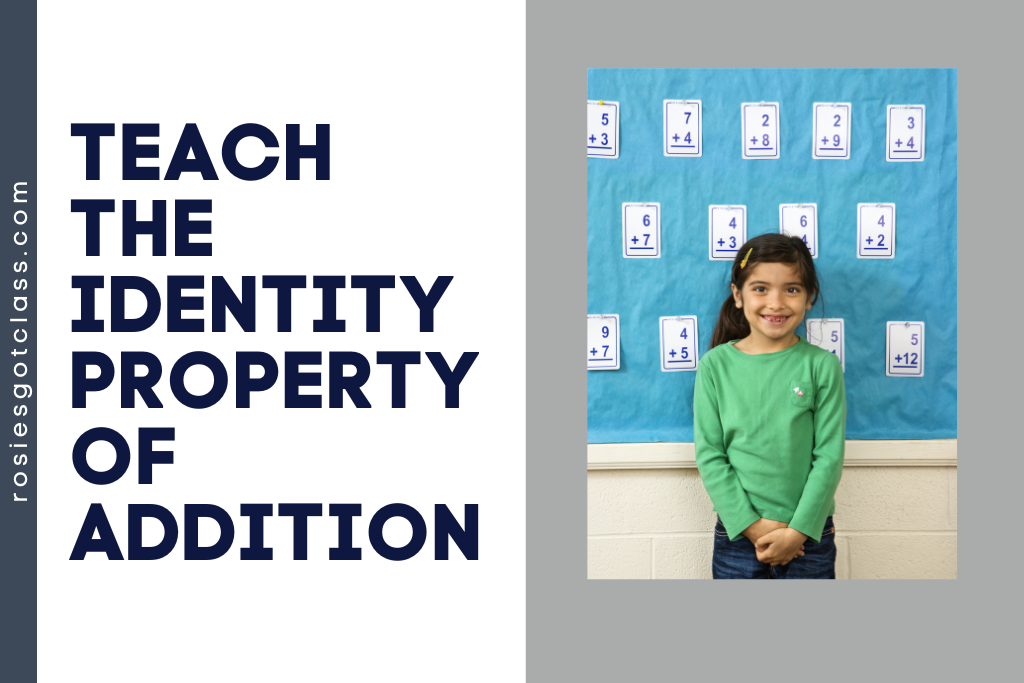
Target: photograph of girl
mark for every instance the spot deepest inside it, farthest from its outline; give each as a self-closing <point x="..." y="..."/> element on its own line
<point x="771" y="324"/>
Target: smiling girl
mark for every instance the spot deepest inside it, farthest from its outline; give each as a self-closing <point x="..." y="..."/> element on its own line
<point x="770" y="421"/>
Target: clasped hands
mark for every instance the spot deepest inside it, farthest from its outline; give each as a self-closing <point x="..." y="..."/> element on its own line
<point x="775" y="542"/>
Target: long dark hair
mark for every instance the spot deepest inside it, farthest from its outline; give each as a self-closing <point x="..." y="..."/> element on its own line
<point x="768" y="248"/>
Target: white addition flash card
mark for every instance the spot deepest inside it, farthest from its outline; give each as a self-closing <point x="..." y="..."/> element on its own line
<point x="678" y="343"/>
<point x="602" y="342"/>
<point x="760" y="130"/>
<point x="800" y="220"/>
<point x="727" y="230"/>
<point x="876" y="230"/>
<point x="831" y="131"/>
<point x="683" y="128"/>
<point x="603" y="129"/>
<point x="827" y="333"/>
<point x="904" y="349"/>
<point x="641" y="230"/>
<point x="904" y="132"/>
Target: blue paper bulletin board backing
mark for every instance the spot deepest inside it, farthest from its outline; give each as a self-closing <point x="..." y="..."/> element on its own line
<point x="639" y="402"/>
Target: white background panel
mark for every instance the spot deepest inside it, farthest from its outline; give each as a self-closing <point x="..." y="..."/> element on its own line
<point x="413" y="187"/>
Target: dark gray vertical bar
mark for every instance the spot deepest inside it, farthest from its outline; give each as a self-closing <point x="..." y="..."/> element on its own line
<point x="18" y="485"/>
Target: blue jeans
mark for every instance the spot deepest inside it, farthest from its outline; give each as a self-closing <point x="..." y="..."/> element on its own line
<point x="738" y="559"/>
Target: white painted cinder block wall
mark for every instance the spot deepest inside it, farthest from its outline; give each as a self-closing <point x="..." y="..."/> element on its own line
<point x="892" y="522"/>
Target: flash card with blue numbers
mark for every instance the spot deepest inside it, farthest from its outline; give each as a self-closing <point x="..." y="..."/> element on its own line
<point x="727" y="230"/>
<point x="876" y="230"/>
<point x="603" y="129"/>
<point x="904" y="132"/>
<point x="827" y="333"/>
<point x="683" y="128"/>
<point x="760" y="130"/>
<point x="602" y="342"/>
<point x="678" y="342"/>
<point x="641" y="230"/>
<point x="800" y="220"/>
<point x="904" y="349"/>
<point x="831" y="131"/>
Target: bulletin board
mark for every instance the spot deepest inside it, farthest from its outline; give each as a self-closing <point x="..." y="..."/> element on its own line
<point x="638" y="401"/>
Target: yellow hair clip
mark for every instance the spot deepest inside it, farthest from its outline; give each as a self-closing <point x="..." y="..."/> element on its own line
<point x="744" y="262"/>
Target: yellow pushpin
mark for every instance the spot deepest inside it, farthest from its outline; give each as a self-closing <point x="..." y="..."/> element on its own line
<point x="744" y="262"/>
<point x="601" y="102"/>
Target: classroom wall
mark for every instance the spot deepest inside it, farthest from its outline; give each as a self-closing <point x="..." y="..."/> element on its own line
<point x="892" y="522"/>
<point x="639" y="403"/>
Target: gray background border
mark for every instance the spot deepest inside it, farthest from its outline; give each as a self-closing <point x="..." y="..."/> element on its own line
<point x="879" y="630"/>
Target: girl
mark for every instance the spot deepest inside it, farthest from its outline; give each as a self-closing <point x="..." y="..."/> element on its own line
<point x="770" y="421"/>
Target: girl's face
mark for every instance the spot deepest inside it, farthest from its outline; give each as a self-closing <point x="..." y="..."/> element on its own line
<point x="774" y="301"/>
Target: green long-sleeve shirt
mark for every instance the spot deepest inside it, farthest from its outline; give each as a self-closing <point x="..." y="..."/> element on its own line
<point x="762" y="449"/>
